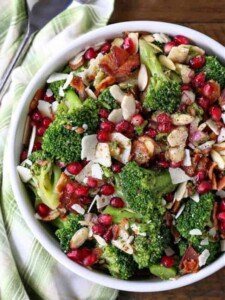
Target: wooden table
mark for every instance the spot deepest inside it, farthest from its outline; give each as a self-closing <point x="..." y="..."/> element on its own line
<point x="207" y="16"/>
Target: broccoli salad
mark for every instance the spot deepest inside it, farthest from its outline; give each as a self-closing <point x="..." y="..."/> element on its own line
<point x="124" y="156"/>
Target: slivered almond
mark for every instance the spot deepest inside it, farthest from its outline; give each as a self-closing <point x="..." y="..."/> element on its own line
<point x="117" y="93"/>
<point x="178" y="54"/>
<point x="202" y="126"/>
<point x="161" y="37"/>
<point x="211" y="169"/>
<point x="219" y="147"/>
<point x="167" y="62"/>
<point x="142" y="78"/>
<point x="90" y="93"/>
<point x="222" y="152"/>
<point x="52" y="216"/>
<point x="77" y="61"/>
<point x="177" y="137"/>
<point x="179" y="194"/>
<point x="176" y="154"/>
<point x="156" y="48"/>
<point x="181" y="119"/>
<point x="148" y="38"/>
<point x="79" y="238"/>
<point x="216" y="157"/>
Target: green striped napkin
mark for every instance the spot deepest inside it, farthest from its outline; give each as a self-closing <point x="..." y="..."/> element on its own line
<point x="27" y="271"/>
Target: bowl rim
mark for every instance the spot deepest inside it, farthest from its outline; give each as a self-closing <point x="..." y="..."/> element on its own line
<point x="33" y="224"/>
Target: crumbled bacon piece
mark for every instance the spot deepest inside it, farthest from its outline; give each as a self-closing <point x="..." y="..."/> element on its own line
<point x="211" y="169"/>
<point x="79" y="86"/>
<point x="189" y="262"/>
<point x="106" y="82"/>
<point x="175" y="234"/>
<point x="169" y="219"/>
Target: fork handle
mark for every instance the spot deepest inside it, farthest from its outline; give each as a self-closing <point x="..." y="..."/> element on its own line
<point x="5" y="80"/>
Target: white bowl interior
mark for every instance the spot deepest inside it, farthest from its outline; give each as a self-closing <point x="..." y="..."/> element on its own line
<point x="16" y="133"/>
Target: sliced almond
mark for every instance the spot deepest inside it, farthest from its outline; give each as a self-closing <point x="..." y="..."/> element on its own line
<point x="79" y="238"/>
<point x="180" y="191"/>
<point x="161" y="38"/>
<point x="216" y="157"/>
<point x="156" y="48"/>
<point x="52" y="216"/>
<point x="213" y="126"/>
<point x="24" y="173"/>
<point x="134" y="37"/>
<point x="221" y="137"/>
<point x="185" y="72"/>
<point x="117" y="42"/>
<point x="128" y="106"/>
<point x="116" y="116"/>
<point x="142" y="78"/>
<point x="219" y="147"/>
<point x="117" y="93"/>
<point x="167" y="62"/>
<point x="188" y="97"/>
<point x="102" y="155"/>
<point x="149" y="144"/>
<point x="77" y="61"/>
<point x="197" y="49"/>
<point x="148" y="38"/>
<point x="178" y="54"/>
<point x="177" y="137"/>
<point x="90" y="93"/>
<point x="181" y="119"/>
<point x="122" y="245"/>
<point x="100" y="240"/>
<point x="202" y="126"/>
<point x="176" y="154"/>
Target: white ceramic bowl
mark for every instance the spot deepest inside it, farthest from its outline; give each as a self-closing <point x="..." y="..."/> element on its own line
<point x="24" y="203"/>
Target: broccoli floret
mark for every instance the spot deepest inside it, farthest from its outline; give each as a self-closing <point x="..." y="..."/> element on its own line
<point x="67" y="230"/>
<point x="106" y="100"/>
<point x="213" y="247"/>
<point x="61" y="141"/>
<point x="162" y="93"/>
<point x="119" y="264"/>
<point x="214" y="70"/>
<point x="39" y="155"/>
<point x="143" y="189"/>
<point x="195" y="216"/>
<point x="43" y="182"/>
<point x="163" y="272"/>
<point x="55" y="86"/>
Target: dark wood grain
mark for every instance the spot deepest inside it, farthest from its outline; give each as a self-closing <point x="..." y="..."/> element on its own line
<point x="207" y="16"/>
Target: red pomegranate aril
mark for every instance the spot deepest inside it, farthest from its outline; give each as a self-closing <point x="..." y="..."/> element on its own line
<point x="122" y="126"/>
<point x="105" y="48"/>
<point x="167" y="261"/>
<point x="197" y="62"/>
<point x="82" y="191"/>
<point x="221" y="216"/>
<point x="103" y="136"/>
<point x="222" y="205"/>
<point x="43" y="210"/>
<point x="151" y="132"/>
<point x="201" y="175"/>
<point x="177" y="164"/>
<point x="107" y="126"/>
<point x="70" y="188"/>
<point x="168" y="46"/>
<point x="222" y="227"/>
<point x="49" y="97"/>
<point x="108" y="236"/>
<point x="85" y="200"/>
<point x="128" y="45"/>
<point x="163" y="118"/>
<point x="46" y="122"/>
<point x="198" y="80"/>
<point x="90" y="53"/>
<point x="137" y="120"/>
<point x="169" y="197"/>
<point x="185" y="87"/>
<point x="23" y="155"/>
<point x="164" y="128"/>
<point x="215" y="112"/>
<point x="204" y="187"/>
<point x="41" y="131"/>
<point x="181" y="39"/>
<point x="116" y="168"/>
<point x="75" y="255"/>
<point x="92" y="182"/>
<point x="90" y="260"/>
<point x="203" y="102"/>
<point x="211" y="90"/>
<point x="107" y="189"/>
<point x="117" y="202"/>
<point x="130" y="130"/>
<point x="103" y="113"/>
<point x="36" y="116"/>
<point x="105" y="219"/>
<point x="98" y="229"/>
<point x="74" y="168"/>
<point x="163" y="164"/>
<point x="37" y="146"/>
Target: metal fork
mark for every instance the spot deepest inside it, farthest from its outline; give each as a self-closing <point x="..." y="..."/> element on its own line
<point x="39" y="12"/>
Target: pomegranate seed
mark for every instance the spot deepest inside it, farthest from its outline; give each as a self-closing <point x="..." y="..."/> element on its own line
<point x="105" y="219"/>
<point x="211" y="90"/>
<point x="177" y="164"/>
<point x="163" y="164"/>
<point x="163" y="118"/>
<point x="137" y="120"/>
<point x="74" y="168"/>
<point x="82" y="191"/>
<point x="197" y="62"/>
<point x="169" y="197"/>
<point x="215" y="112"/>
<point x="98" y="229"/>
<point x="168" y="46"/>
<point x="203" y="102"/>
<point x="46" y="122"/>
<point x="79" y="255"/>
<point x="107" y="189"/>
<point x="107" y="126"/>
<point x="37" y="146"/>
<point x="122" y="126"/>
<point x="128" y="45"/>
<point x="167" y="261"/>
<point x="49" y="97"/>
<point x="181" y="39"/>
<point x="130" y="131"/>
<point x="85" y="200"/>
<point x="103" y="113"/>
<point x="200" y="176"/>
<point x="90" y="53"/>
<point x="90" y="260"/>
<point x="164" y="128"/>
<point x="41" y="131"/>
<point x="117" y="202"/>
<point x="36" y="116"/>
<point x="105" y="48"/>
<point x="108" y="236"/>
<point x="70" y="188"/>
<point x="185" y="87"/>
<point x="116" y="168"/>
<point x="103" y="136"/>
<point x="221" y="216"/>
<point x="23" y="155"/>
<point x="222" y="227"/>
<point x="43" y="210"/>
<point x="222" y="205"/>
<point x="92" y="182"/>
<point x="198" y="80"/>
<point x="151" y="132"/>
<point x="204" y="187"/>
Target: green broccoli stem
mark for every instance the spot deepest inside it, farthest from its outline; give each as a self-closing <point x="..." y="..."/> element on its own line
<point x="119" y="214"/>
<point x="73" y="99"/>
